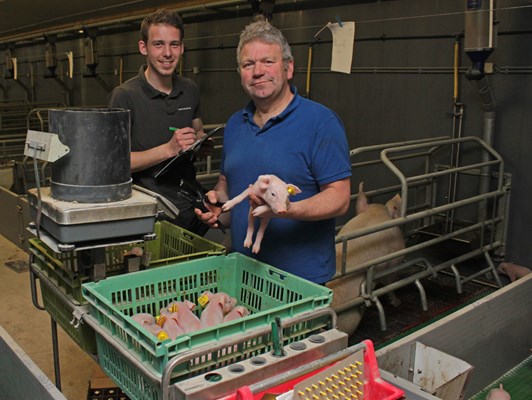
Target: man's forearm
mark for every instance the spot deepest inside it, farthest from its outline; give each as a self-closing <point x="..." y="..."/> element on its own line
<point x="332" y="201"/>
<point x="141" y="160"/>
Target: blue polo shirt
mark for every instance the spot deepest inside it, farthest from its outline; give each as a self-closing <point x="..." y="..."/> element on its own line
<point x="305" y="145"/>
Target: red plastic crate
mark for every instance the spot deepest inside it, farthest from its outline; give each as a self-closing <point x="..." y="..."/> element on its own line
<point x="375" y="388"/>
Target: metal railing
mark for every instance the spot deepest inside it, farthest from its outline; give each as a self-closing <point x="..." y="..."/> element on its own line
<point x="425" y="205"/>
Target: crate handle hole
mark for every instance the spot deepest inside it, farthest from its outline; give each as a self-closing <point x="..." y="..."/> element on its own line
<point x="236" y="369"/>
<point x="213" y="377"/>
<point x="280" y="276"/>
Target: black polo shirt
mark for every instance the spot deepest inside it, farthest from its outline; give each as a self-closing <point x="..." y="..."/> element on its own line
<point x="152" y="114"/>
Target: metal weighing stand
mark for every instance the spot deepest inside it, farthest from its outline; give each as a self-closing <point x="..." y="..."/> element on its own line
<point x="87" y="228"/>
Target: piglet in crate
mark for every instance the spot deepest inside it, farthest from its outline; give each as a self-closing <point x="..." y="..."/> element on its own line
<point x="273" y="192"/>
<point x="236" y="313"/>
<point x="217" y="306"/>
<point x="186" y="319"/>
<point x="169" y="321"/>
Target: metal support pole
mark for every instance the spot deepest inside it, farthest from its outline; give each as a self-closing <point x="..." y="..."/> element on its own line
<point x="55" y="349"/>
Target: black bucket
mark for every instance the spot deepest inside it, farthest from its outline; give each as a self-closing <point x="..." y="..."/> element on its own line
<point x="97" y="168"/>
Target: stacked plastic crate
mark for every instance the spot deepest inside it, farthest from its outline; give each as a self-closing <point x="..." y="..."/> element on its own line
<point x="61" y="275"/>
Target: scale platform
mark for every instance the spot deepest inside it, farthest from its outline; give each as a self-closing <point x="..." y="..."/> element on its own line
<point x="71" y="222"/>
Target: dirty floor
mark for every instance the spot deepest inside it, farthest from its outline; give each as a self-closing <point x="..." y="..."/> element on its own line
<point x="31" y="328"/>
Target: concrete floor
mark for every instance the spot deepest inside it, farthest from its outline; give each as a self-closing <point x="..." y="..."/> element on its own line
<point x="31" y="328"/>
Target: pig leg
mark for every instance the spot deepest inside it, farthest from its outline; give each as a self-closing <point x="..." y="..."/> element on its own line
<point x="260" y="234"/>
<point x="261" y="210"/>
<point x="345" y="289"/>
<point x="251" y="227"/>
<point x="235" y="200"/>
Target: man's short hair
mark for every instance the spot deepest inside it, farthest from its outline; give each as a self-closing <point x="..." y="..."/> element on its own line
<point x="162" y="17"/>
<point x="263" y="31"/>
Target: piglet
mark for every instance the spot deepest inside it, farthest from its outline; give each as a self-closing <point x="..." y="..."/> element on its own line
<point x="157" y="331"/>
<point x="498" y="394"/>
<point x="513" y="271"/>
<point x="274" y="192"/>
<point x="169" y="322"/>
<point x="143" y="319"/>
<point x="172" y="328"/>
<point x="186" y="319"/>
<point x="236" y="313"/>
<point x="218" y="306"/>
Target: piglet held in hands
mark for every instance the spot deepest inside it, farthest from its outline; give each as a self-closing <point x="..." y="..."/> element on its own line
<point x="274" y="192"/>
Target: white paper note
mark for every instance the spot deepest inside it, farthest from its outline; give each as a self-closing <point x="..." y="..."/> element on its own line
<point x="343" y="42"/>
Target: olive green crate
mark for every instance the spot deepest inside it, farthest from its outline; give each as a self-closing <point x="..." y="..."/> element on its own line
<point x="61" y="308"/>
<point x="172" y="245"/>
<point x="61" y="276"/>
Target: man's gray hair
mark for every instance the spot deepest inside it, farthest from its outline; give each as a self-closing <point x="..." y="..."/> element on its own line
<point x="265" y="32"/>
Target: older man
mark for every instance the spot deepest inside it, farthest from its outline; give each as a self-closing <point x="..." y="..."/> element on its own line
<point x="300" y="141"/>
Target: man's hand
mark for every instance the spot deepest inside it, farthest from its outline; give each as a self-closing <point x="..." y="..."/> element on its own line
<point x="210" y="217"/>
<point x="182" y="139"/>
<point x="259" y="206"/>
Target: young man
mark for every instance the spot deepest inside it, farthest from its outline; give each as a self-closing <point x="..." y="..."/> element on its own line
<point x="165" y="114"/>
<point x="300" y="141"/>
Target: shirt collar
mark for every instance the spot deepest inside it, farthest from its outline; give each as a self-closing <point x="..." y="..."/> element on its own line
<point x="151" y="92"/>
<point x="248" y="112"/>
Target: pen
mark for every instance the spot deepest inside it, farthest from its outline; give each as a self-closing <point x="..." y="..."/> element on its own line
<point x="193" y="147"/>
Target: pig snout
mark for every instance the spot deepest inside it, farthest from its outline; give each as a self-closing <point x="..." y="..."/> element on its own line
<point x="280" y="207"/>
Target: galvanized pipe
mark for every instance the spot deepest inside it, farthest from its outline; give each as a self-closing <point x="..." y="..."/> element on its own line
<point x="420" y="275"/>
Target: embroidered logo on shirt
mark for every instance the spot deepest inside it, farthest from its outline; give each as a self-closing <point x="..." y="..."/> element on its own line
<point x="184" y="108"/>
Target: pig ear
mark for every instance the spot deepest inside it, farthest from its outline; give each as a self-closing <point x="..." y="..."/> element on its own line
<point x="362" y="200"/>
<point x="394" y="206"/>
<point x="190" y="305"/>
<point x="292" y="189"/>
<point x="264" y="181"/>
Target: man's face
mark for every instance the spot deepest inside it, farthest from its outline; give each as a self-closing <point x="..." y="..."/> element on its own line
<point x="163" y="49"/>
<point x="263" y="73"/>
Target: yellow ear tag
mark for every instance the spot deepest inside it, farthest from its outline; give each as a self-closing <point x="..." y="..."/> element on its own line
<point x="203" y="300"/>
<point x="162" y="335"/>
<point x="291" y="190"/>
<point x="161" y="320"/>
<point x="173" y="308"/>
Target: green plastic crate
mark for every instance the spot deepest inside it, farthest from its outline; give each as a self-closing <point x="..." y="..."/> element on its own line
<point x="62" y="271"/>
<point x="173" y="245"/>
<point x="60" y="308"/>
<point x="266" y="291"/>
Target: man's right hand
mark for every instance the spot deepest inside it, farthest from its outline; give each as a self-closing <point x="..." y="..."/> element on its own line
<point x="182" y="139"/>
<point x="210" y="217"/>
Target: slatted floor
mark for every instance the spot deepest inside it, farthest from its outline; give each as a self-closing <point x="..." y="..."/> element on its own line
<point x="517" y="381"/>
<point x="442" y="299"/>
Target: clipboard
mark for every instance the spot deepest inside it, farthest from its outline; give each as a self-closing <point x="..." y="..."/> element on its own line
<point x="192" y="147"/>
